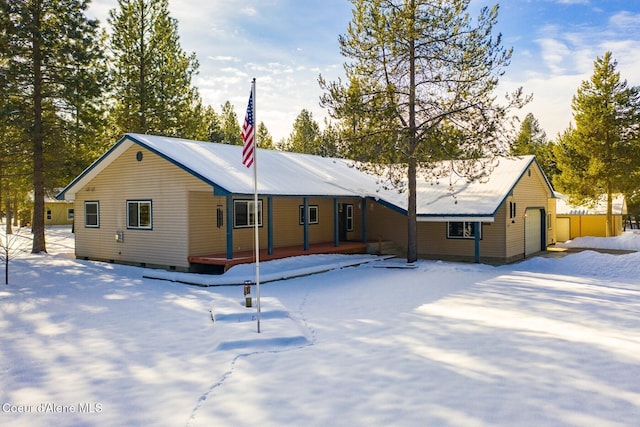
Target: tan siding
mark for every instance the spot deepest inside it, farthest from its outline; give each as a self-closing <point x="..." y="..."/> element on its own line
<point x="384" y="224"/>
<point x="205" y="237"/>
<point x="531" y="191"/>
<point x="153" y="179"/>
<point x="433" y="242"/>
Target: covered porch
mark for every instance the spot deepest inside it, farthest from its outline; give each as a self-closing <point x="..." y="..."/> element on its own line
<point x="219" y="263"/>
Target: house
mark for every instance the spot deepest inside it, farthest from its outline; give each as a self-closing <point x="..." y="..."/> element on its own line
<point x="184" y="205"/>
<point x="580" y="221"/>
<point x="56" y="212"/>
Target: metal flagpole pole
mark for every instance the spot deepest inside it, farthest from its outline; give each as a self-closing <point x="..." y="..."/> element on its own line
<point x="255" y="199"/>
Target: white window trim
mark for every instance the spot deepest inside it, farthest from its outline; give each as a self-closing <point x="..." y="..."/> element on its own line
<point x="309" y="209"/>
<point x="250" y="209"/>
<point x="464" y="226"/>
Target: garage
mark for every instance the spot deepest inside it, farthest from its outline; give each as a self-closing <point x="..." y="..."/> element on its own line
<point x="533" y="231"/>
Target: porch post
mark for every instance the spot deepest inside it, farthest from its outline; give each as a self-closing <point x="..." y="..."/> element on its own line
<point x="477" y="241"/>
<point x="336" y="223"/>
<point x="229" y="226"/>
<point x="270" y="225"/>
<point x="305" y="221"/>
<point x="364" y="220"/>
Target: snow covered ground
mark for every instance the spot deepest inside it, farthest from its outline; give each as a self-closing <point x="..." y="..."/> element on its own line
<point x="545" y="342"/>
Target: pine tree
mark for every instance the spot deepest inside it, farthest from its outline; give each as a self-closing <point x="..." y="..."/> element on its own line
<point x="51" y="49"/>
<point x="265" y="140"/>
<point x="532" y="139"/>
<point x="306" y="135"/>
<point x="151" y="73"/>
<point x="420" y="71"/>
<point x="599" y="156"/>
<point x="230" y="126"/>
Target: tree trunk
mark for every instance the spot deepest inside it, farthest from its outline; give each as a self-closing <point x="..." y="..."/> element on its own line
<point x="7" y="210"/>
<point x="412" y="224"/>
<point x="38" y="147"/>
<point x="609" y="213"/>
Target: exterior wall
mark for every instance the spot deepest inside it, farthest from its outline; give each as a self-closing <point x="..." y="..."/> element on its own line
<point x="57" y="213"/>
<point x="502" y="240"/>
<point x="434" y="243"/>
<point x="531" y="192"/>
<point x="205" y="236"/>
<point x="385" y="224"/>
<point x="592" y="225"/>
<point x="152" y="178"/>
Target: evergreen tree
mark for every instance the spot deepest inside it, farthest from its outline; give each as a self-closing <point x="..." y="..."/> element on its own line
<point x="599" y="157"/>
<point x="532" y="139"/>
<point x="213" y="124"/>
<point x="231" y="132"/>
<point x="306" y="135"/>
<point x="420" y="70"/>
<point x="50" y="51"/>
<point x="151" y="73"/>
<point x="265" y="140"/>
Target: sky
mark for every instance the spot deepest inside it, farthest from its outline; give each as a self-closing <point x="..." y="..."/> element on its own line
<point x="287" y="44"/>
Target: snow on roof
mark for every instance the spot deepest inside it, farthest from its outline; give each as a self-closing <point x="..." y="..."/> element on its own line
<point x="294" y="174"/>
<point x="563" y="207"/>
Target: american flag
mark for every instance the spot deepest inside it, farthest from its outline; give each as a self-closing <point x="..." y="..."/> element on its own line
<point x="248" y="135"/>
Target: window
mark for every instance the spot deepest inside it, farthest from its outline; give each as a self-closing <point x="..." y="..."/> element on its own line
<point x="244" y="213"/>
<point x="313" y="214"/>
<point x="462" y="230"/>
<point x="512" y="210"/>
<point x="139" y="214"/>
<point x="349" y="217"/>
<point x="92" y="214"/>
<point x="70" y="213"/>
<point x="49" y="214"/>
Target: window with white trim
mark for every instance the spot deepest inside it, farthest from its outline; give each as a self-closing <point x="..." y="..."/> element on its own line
<point x="462" y="230"/>
<point x="139" y="214"/>
<point x="92" y="214"/>
<point x="349" y="217"/>
<point x="313" y="214"/>
<point x="244" y="213"/>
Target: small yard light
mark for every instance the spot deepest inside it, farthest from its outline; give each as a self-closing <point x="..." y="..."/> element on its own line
<point x="247" y="293"/>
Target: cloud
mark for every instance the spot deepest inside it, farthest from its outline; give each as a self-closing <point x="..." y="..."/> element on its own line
<point x="625" y="20"/>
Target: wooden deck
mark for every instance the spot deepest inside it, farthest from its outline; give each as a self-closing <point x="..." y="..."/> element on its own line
<point x="244" y="257"/>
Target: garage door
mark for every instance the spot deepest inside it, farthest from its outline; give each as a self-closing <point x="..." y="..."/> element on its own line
<point x="532" y="232"/>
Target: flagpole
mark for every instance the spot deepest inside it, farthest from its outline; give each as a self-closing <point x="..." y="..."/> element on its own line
<point x="255" y="200"/>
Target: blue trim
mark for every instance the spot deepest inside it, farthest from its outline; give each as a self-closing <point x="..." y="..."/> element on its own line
<point x="510" y="192"/>
<point x="229" y="227"/>
<point x="364" y="220"/>
<point x="220" y="190"/>
<point x="305" y="203"/>
<point x="336" y="223"/>
<point x="270" y="225"/>
<point x="60" y="196"/>
<point x="476" y="241"/>
<point x="391" y="206"/>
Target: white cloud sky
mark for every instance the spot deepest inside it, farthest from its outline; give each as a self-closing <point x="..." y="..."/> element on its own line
<point x="286" y="44"/>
